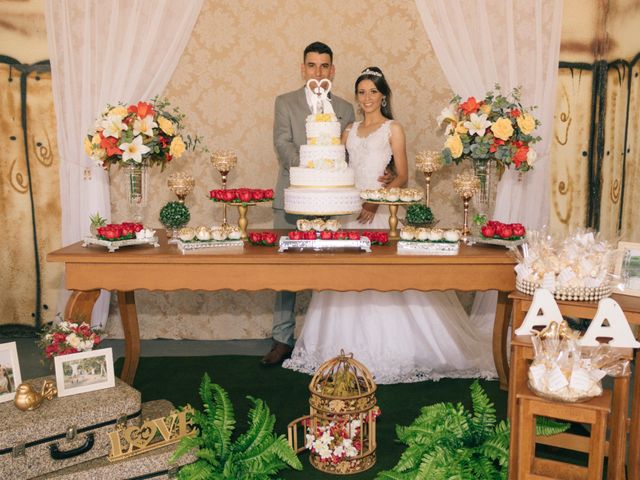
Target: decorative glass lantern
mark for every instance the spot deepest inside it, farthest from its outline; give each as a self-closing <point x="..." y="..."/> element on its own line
<point x="340" y="430"/>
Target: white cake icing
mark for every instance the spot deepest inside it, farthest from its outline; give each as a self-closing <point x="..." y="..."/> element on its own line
<point x="316" y="201"/>
<point x="311" y="177"/>
<point x="323" y="184"/>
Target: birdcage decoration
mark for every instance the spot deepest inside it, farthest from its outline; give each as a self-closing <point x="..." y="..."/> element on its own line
<point x="340" y="430"/>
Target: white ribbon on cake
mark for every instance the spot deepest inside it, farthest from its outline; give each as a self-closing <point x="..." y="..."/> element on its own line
<point x="321" y="89"/>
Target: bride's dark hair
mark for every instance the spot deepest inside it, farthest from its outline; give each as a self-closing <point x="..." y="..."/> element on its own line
<point x="377" y="77"/>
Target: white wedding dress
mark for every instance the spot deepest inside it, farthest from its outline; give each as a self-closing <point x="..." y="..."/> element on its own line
<point x="400" y="337"/>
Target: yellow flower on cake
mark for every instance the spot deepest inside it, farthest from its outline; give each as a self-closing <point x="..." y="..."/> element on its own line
<point x="526" y="123"/>
<point x="166" y="126"/>
<point x="177" y="147"/>
<point x="454" y="144"/>
<point x="313" y="141"/>
<point x="335" y="141"/>
<point x="502" y="129"/>
<point x="134" y="150"/>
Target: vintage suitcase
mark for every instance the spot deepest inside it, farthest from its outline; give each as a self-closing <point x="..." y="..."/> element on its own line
<point x="64" y="431"/>
<point x="154" y="464"/>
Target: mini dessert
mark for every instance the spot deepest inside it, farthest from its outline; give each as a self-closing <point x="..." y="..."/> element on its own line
<point x="332" y="225"/>
<point x="203" y="234"/>
<point x="186" y="234"/>
<point x="234" y="233"/>
<point x="452" y="235"/>
<point x="304" y="225"/>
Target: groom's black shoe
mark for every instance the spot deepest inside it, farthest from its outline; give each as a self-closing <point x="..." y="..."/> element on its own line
<point x="278" y="353"/>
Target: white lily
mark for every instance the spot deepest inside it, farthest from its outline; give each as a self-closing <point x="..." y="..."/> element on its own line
<point x="134" y="150"/>
<point x="144" y="125"/>
<point x="448" y="114"/>
<point x="113" y="126"/>
<point x="477" y="124"/>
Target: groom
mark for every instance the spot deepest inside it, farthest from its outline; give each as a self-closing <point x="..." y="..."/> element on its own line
<point x="291" y="111"/>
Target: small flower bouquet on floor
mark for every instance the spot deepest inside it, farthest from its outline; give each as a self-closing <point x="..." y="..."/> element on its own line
<point x="62" y="338"/>
<point x="337" y="440"/>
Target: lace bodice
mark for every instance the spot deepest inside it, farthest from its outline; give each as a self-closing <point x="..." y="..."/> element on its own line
<point x="369" y="155"/>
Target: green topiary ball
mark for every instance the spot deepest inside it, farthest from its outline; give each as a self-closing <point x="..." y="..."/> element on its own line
<point x="174" y="215"/>
<point x="419" y="214"/>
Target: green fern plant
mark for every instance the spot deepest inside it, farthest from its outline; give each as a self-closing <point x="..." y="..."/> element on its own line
<point x="447" y="441"/>
<point x="255" y="455"/>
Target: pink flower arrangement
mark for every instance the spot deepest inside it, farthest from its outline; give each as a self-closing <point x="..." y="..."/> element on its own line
<point x="64" y="337"/>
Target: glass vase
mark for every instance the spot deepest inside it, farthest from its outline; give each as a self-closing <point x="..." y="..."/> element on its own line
<point x="137" y="176"/>
<point x="483" y="169"/>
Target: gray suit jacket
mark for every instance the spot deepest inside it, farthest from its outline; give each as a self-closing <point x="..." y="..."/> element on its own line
<point x="291" y="111"/>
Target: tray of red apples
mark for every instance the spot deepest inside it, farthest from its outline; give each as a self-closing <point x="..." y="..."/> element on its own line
<point x="505" y="234"/>
<point x="324" y="241"/>
<point x="246" y="196"/>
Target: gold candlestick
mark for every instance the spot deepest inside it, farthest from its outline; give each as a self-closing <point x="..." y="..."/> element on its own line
<point x="181" y="184"/>
<point x="465" y="185"/>
<point x="428" y="162"/>
<point x="223" y="161"/>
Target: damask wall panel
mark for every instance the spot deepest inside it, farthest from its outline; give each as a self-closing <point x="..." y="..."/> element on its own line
<point x="630" y="230"/>
<point x="241" y="55"/>
<point x="569" y="151"/>
<point x="613" y="150"/>
<point x="45" y="179"/>
<point x="17" y="253"/>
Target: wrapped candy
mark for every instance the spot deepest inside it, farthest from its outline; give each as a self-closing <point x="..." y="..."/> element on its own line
<point x="575" y="268"/>
<point x="562" y="370"/>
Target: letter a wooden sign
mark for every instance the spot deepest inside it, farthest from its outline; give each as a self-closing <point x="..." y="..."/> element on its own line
<point x="543" y="311"/>
<point x="617" y="327"/>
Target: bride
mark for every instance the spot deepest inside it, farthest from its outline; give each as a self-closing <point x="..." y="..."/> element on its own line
<point x="401" y="337"/>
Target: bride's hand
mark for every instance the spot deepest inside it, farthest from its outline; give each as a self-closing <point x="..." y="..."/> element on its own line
<point x="367" y="213"/>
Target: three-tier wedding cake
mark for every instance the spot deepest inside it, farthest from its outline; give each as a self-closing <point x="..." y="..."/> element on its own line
<point x="323" y="184"/>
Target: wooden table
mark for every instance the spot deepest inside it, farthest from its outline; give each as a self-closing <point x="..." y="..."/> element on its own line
<point x="88" y="269"/>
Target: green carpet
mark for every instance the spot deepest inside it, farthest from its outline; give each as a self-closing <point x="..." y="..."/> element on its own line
<point x="177" y="379"/>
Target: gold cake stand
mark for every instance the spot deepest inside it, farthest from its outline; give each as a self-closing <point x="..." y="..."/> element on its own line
<point x="243" y="208"/>
<point x="393" y="215"/>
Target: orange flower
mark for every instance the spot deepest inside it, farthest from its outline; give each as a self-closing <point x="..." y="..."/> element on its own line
<point x="470" y="106"/>
<point x="142" y="109"/>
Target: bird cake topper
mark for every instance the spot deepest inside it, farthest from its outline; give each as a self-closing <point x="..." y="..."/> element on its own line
<point x="321" y="89"/>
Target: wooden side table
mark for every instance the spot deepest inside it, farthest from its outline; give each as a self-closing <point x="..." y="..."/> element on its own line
<point x="620" y="396"/>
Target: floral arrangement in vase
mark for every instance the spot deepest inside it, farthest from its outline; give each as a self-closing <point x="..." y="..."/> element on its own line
<point x="147" y="133"/>
<point x="496" y="128"/>
<point x="63" y="338"/>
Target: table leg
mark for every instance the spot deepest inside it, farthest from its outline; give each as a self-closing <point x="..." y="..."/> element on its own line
<point x="500" y="329"/>
<point x="80" y="305"/>
<point x="618" y="429"/>
<point x="634" y="434"/>
<point x="129" y="317"/>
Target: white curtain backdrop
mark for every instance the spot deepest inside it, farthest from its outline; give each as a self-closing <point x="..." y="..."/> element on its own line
<point x="513" y="43"/>
<point x="104" y="52"/>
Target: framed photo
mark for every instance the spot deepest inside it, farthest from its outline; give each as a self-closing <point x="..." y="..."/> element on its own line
<point x="628" y="268"/>
<point x="84" y="372"/>
<point x="10" y="377"/>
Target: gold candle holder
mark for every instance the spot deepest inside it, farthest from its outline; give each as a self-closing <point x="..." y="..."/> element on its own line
<point x="223" y="161"/>
<point x="181" y="184"/>
<point x="428" y="162"/>
<point x="465" y="185"/>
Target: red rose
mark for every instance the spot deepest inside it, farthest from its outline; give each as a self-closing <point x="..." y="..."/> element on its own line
<point x="470" y="106"/>
<point x="257" y="195"/>
<point x="50" y="350"/>
<point x="96" y="339"/>
<point x="268" y="194"/>
<point x="354" y="235"/>
<point x="255" y="237"/>
<point x="137" y="227"/>
<point x="340" y="235"/>
<point x="518" y="230"/>
<point x="488" y="231"/>
<point x="515" y="113"/>
<point x="244" y="195"/>
<point x="310" y="235"/>
<point x="228" y="195"/>
<point x="326" y="235"/>
<point x="295" y="235"/>
<point x="506" y="232"/>
<point x="269" y="238"/>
